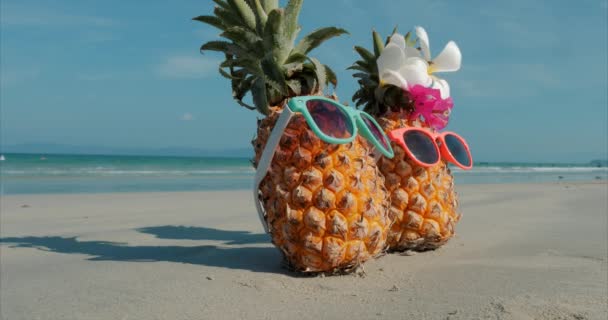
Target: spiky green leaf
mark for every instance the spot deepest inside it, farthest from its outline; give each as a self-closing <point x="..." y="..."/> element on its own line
<point x="251" y="66"/>
<point x="245" y="38"/>
<point x="244" y="11"/>
<point x="331" y="76"/>
<point x="258" y="92"/>
<point x="260" y="15"/>
<point x="225" y="74"/>
<point x="240" y="88"/>
<point x="274" y="36"/>
<point x="408" y="40"/>
<point x="211" y="20"/>
<point x="292" y="69"/>
<point x="274" y="74"/>
<point x="361" y="75"/>
<point x="358" y="68"/>
<point x="270" y="5"/>
<point x="295" y="87"/>
<point x="223" y="46"/>
<point x="320" y="73"/>
<point x="296" y="57"/>
<point x="316" y="38"/>
<point x="292" y="11"/>
<point x="378" y="44"/>
<point x="369" y="58"/>
<point x="229" y="18"/>
<point x="222" y="4"/>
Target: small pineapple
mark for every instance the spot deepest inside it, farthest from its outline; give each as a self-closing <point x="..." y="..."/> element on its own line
<point x="424" y="205"/>
<point x="326" y="205"/>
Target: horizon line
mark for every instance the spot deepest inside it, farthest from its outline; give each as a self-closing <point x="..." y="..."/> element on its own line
<point x="590" y="162"/>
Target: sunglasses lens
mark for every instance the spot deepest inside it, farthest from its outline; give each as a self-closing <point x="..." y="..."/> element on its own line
<point x="458" y="149"/>
<point x="330" y="119"/>
<point x="421" y="146"/>
<point x="375" y="130"/>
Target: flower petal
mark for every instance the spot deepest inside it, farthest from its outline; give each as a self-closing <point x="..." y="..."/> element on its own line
<point x="448" y="60"/>
<point x="394" y="78"/>
<point x="442" y="85"/>
<point x="423" y="39"/>
<point x="411" y="52"/>
<point x="399" y="40"/>
<point x="391" y="58"/>
<point x="415" y="72"/>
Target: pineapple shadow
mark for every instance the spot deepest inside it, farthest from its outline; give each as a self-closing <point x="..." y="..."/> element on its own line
<point x="254" y="258"/>
<point x="230" y="237"/>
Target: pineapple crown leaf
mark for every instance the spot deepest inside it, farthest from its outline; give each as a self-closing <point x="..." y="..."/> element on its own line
<point x="226" y="74"/>
<point x="321" y="74"/>
<point x="293" y="68"/>
<point x="227" y="17"/>
<point x="274" y="36"/>
<point x="408" y="39"/>
<point x="274" y="75"/>
<point x="358" y="68"/>
<point x="317" y="37"/>
<point x="261" y="58"/>
<point x="270" y="5"/>
<point x="292" y="11"/>
<point x="373" y="98"/>
<point x="378" y="44"/>
<point x="363" y="66"/>
<point x="224" y="47"/>
<point x="222" y="4"/>
<point x="296" y="57"/>
<point x="393" y="32"/>
<point x="261" y="16"/>
<point x="295" y="86"/>
<point x="331" y="76"/>
<point x="368" y="57"/>
<point x="240" y="88"/>
<point x="245" y="38"/>
<point x="210" y="20"/>
<point x="258" y="92"/>
<point x="245" y="12"/>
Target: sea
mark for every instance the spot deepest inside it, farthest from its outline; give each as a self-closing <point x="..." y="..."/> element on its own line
<point x="54" y="173"/>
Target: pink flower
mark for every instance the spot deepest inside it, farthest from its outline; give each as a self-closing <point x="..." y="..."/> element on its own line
<point x="430" y="107"/>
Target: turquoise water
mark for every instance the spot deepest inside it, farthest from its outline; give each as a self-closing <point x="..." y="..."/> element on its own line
<point x="31" y="173"/>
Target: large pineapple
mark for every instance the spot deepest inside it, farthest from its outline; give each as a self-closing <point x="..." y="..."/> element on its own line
<point x="326" y="205"/>
<point x="424" y="205"/>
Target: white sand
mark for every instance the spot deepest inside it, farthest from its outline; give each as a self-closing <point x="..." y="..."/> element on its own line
<point x="521" y="252"/>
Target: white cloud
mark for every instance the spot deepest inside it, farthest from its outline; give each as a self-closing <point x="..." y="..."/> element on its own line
<point x="187" y="117"/>
<point x="188" y="67"/>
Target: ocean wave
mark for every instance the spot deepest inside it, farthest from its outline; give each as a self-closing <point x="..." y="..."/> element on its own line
<point x="107" y="171"/>
<point x="99" y="171"/>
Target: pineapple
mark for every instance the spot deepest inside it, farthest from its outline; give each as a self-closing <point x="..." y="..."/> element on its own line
<point x="424" y="205"/>
<point x="326" y="205"/>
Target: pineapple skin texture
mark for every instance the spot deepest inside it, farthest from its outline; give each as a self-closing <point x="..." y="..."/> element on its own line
<point x="326" y="205"/>
<point x="424" y="206"/>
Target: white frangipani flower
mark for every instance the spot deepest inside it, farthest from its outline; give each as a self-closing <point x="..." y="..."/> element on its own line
<point x="404" y="66"/>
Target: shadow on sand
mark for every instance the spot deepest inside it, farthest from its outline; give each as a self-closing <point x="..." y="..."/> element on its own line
<point x="203" y="233"/>
<point x="257" y="259"/>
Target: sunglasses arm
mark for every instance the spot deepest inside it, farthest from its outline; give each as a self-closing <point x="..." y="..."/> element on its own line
<point x="266" y="159"/>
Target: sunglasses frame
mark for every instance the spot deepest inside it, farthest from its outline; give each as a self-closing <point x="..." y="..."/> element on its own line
<point x="298" y="105"/>
<point x="441" y="148"/>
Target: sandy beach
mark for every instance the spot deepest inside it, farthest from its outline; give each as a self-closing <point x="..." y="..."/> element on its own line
<point x="528" y="251"/>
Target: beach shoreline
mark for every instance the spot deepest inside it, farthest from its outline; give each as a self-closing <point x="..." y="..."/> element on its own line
<point x="522" y="251"/>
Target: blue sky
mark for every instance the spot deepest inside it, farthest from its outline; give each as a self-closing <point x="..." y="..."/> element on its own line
<point x="533" y="85"/>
